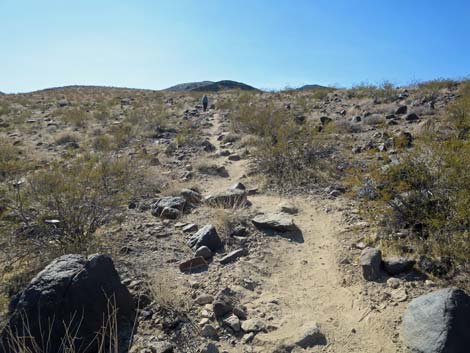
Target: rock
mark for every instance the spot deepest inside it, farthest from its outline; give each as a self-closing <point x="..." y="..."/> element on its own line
<point x="240" y="311"/>
<point x="371" y="259"/>
<point x="209" y="331"/>
<point x="356" y="119"/>
<point x="211" y="348"/>
<point x="396" y="265"/>
<point x="204" y="252"/>
<point x="325" y="120"/>
<point x="253" y="325"/>
<point x="399" y="295"/>
<point x="206" y="236"/>
<point x="401" y="110"/>
<point x="170" y="213"/>
<point x="194" y="264"/>
<point x="239" y="186"/>
<point x="207" y="146"/>
<point x="412" y="117"/>
<point x="234" y="157"/>
<point x="288" y="208"/>
<point x="239" y="231"/>
<point x="227" y="199"/>
<point x="438" y="268"/>
<point x="72" y="294"/>
<point x="393" y="282"/>
<point x="204" y="299"/>
<point x="308" y="336"/>
<point x="233" y="322"/>
<point x="191" y="196"/>
<point x="190" y="228"/>
<point x="222" y="171"/>
<point x="274" y="221"/>
<point x="175" y="202"/>
<point x="224" y="302"/>
<point x="234" y="255"/>
<point x="438" y="322"/>
<point x="161" y="347"/>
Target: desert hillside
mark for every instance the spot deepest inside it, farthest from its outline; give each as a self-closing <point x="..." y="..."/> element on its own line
<point x="291" y="221"/>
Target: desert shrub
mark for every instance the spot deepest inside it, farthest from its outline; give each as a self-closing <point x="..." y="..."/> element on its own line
<point x="374" y="120"/>
<point x="4" y="109"/>
<point x="102" y="114"/>
<point x="383" y="92"/>
<point x="257" y="119"/>
<point x="459" y="111"/>
<point x="58" y="209"/>
<point x="123" y="133"/>
<point x="188" y="135"/>
<point x="344" y="126"/>
<point x="427" y="195"/>
<point x="75" y="117"/>
<point x="12" y="162"/>
<point x="102" y="143"/>
<point x="66" y="137"/>
<point x="292" y="157"/>
<point x="434" y="86"/>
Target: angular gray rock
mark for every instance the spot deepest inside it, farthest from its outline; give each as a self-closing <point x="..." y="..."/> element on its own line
<point x="234" y="255"/>
<point x="371" y="261"/>
<point x="206" y="236"/>
<point x="308" y="336"/>
<point x="204" y="252"/>
<point x="438" y="322"/>
<point x="175" y="202"/>
<point x="209" y="331"/>
<point x="396" y="265"/>
<point x="233" y="322"/>
<point x="253" y="325"/>
<point x="401" y="110"/>
<point x="224" y="302"/>
<point x="194" y="264"/>
<point x="274" y="221"/>
<point x="227" y="199"/>
<point x="73" y="292"/>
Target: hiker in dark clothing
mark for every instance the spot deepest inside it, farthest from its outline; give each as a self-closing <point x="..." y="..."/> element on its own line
<point x="205" y="102"/>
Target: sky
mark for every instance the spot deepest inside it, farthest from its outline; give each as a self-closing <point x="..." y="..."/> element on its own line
<point x="270" y="44"/>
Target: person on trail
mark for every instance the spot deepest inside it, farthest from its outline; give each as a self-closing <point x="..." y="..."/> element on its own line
<point x="205" y="102"/>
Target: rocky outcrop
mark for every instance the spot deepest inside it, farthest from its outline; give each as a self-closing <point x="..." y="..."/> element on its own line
<point x="74" y="294"/>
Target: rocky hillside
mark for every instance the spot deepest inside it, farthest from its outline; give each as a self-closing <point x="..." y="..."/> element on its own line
<point x="209" y="86"/>
<point x="296" y="221"/>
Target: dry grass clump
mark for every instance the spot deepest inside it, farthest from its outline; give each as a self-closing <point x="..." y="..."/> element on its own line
<point x="167" y="293"/>
<point x="67" y="137"/>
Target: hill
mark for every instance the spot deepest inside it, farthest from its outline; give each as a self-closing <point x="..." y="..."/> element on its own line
<point x="211" y="86"/>
<point x="309" y="87"/>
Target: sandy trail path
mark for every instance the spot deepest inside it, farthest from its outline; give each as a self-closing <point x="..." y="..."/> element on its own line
<point x="304" y="282"/>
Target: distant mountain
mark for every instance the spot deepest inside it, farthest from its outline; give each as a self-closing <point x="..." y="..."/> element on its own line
<point x="210" y="86"/>
<point x="308" y="87"/>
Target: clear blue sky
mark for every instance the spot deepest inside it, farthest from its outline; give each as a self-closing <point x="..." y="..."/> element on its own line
<point x="266" y="43"/>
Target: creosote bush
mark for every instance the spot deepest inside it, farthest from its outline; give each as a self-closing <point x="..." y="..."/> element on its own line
<point x="58" y="209"/>
<point x="427" y="195"/>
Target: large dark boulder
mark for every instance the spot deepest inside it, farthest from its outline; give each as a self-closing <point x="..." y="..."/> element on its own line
<point x="74" y="294"/>
<point x="206" y="236"/>
<point x="438" y="322"/>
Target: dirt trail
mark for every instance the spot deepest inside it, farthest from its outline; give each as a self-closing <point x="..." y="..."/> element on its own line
<point x="304" y="284"/>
